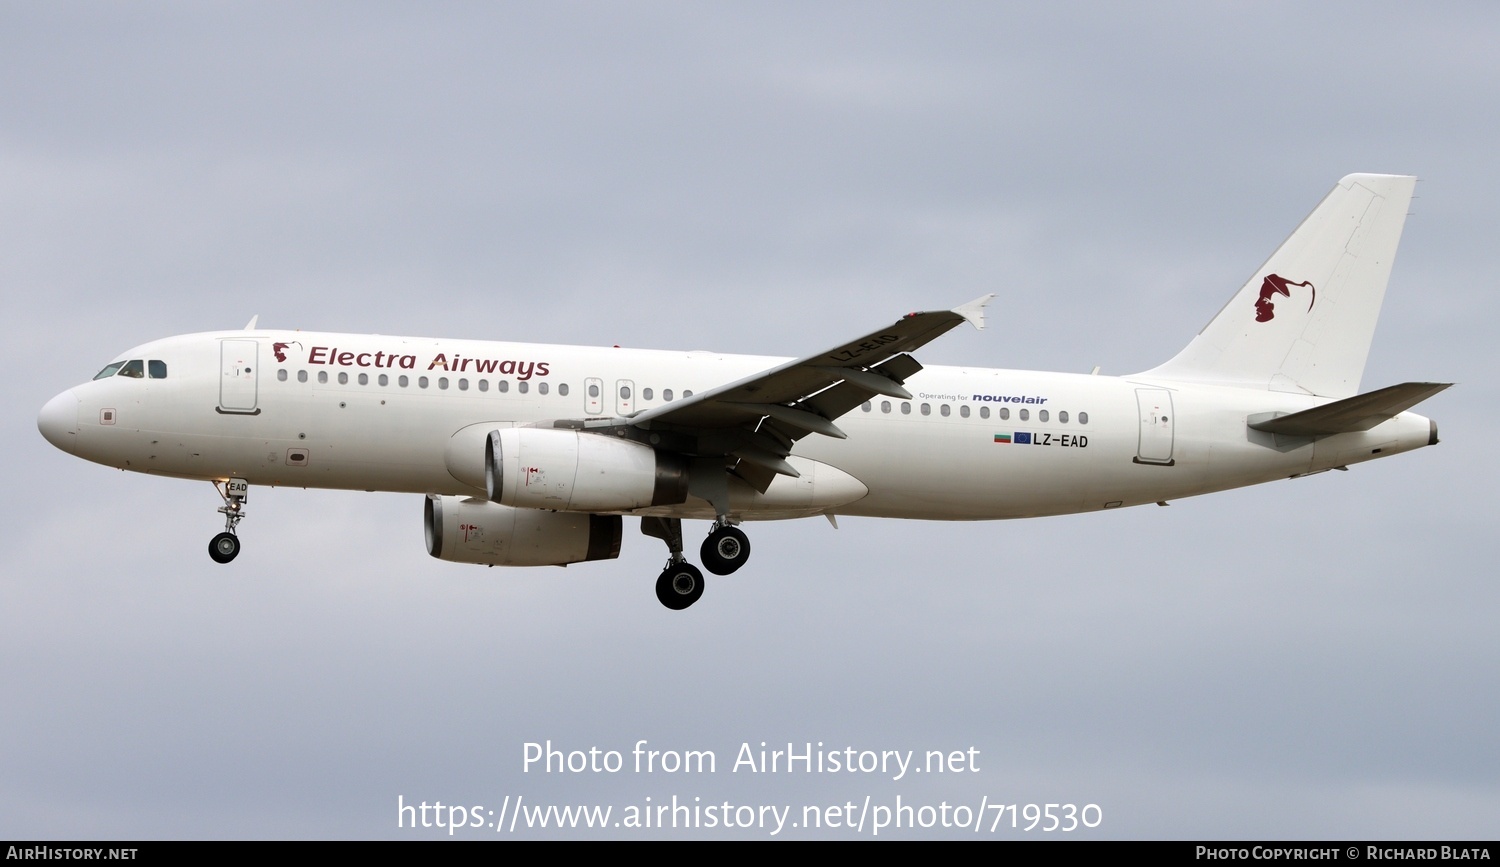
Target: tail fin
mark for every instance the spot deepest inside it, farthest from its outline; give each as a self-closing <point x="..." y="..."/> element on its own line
<point x="1305" y="320"/>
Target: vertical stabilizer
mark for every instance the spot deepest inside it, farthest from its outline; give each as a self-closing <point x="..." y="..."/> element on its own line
<point x="1304" y="322"/>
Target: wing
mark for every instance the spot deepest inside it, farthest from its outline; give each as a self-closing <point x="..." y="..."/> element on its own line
<point x="753" y="423"/>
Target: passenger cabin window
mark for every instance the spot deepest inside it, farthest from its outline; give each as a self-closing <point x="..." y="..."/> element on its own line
<point x="562" y="389"/>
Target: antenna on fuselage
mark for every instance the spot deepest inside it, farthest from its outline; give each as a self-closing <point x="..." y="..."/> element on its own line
<point x="250" y="326"/>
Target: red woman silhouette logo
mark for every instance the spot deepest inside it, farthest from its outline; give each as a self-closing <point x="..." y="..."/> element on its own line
<point x="1275" y="284"/>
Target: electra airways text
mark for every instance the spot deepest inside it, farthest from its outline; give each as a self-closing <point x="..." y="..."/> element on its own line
<point x="532" y="455"/>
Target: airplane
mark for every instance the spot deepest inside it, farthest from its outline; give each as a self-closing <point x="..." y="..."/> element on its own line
<point x="532" y="454"/>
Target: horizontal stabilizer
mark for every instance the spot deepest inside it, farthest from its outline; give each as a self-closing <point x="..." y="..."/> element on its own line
<point x="1351" y="414"/>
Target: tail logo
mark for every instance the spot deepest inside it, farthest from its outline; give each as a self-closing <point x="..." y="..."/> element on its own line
<point x="1275" y="284"/>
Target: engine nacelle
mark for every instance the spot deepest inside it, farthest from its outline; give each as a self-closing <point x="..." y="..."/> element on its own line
<point x="573" y="471"/>
<point x="466" y="530"/>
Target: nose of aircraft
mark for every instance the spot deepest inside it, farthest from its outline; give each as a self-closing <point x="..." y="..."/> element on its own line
<point x="58" y="421"/>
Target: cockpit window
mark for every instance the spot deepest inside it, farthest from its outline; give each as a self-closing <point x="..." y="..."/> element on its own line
<point x="135" y="369"/>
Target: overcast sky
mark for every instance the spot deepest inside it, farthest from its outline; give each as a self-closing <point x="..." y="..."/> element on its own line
<point x="1314" y="658"/>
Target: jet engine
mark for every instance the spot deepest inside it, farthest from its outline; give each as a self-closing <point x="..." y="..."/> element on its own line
<point x="466" y="530"/>
<point x="574" y="471"/>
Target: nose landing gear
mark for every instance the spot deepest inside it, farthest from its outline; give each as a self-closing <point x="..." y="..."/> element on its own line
<point x="226" y="546"/>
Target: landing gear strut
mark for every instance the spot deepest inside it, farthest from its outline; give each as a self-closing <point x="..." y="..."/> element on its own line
<point x="726" y="548"/>
<point x="226" y="546"/>
<point x="680" y="584"/>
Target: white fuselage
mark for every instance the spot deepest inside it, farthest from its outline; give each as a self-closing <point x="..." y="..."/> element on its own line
<point x="377" y="413"/>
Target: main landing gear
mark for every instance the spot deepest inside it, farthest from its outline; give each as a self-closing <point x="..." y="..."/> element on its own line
<point x="226" y="546"/>
<point x="680" y="583"/>
<point x="726" y="548"/>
